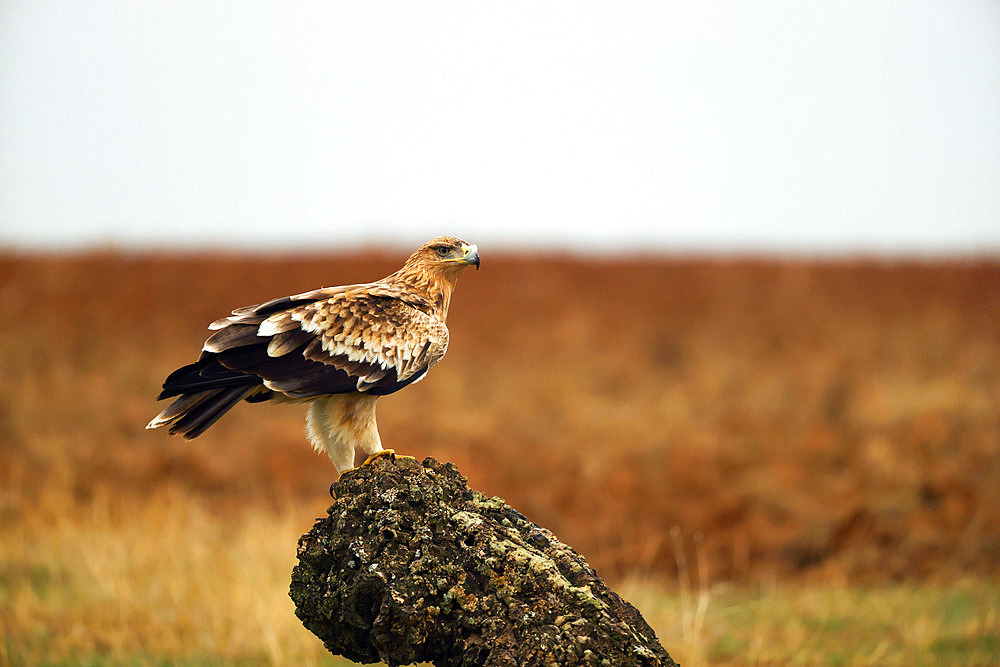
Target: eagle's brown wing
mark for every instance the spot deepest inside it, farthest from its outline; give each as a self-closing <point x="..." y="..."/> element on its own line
<point x="373" y="338"/>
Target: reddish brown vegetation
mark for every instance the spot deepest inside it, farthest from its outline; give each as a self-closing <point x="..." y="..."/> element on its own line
<point x="795" y="417"/>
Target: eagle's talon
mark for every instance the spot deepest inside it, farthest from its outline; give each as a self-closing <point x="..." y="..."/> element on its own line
<point x="333" y="494"/>
<point x="391" y="453"/>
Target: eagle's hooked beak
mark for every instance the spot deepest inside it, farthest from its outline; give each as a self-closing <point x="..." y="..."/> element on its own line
<point x="470" y="255"/>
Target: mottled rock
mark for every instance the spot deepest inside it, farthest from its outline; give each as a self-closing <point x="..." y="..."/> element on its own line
<point x="412" y="565"/>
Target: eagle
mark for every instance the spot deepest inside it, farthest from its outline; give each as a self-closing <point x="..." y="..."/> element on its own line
<point x="336" y="348"/>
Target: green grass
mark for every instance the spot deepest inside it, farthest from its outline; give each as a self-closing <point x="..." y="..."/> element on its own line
<point x="828" y="624"/>
<point x="814" y="624"/>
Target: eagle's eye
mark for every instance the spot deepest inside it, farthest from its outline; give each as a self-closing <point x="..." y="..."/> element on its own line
<point x="442" y="250"/>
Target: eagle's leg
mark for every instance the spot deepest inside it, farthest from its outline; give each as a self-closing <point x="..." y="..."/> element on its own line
<point x="321" y="427"/>
<point x="343" y="424"/>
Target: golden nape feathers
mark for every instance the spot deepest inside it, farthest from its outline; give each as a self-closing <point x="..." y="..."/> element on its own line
<point x="338" y="348"/>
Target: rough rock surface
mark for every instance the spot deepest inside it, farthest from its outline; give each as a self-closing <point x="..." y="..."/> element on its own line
<point x="412" y="565"/>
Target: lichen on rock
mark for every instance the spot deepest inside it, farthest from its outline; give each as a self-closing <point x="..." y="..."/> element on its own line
<point x="412" y="565"/>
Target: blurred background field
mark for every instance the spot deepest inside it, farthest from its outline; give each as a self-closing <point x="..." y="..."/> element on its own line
<point x="776" y="460"/>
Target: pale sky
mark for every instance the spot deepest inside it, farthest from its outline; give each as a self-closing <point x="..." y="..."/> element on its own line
<point x="689" y="125"/>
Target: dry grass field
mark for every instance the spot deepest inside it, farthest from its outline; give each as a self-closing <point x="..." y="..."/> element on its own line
<point x="777" y="461"/>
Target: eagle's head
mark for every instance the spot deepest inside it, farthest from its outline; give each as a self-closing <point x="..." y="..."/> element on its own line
<point x="446" y="255"/>
<point x="435" y="267"/>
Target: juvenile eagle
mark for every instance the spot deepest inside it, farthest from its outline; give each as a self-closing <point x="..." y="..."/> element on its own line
<point x="337" y="348"/>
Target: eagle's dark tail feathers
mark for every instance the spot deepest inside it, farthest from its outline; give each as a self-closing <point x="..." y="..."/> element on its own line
<point x="204" y="392"/>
